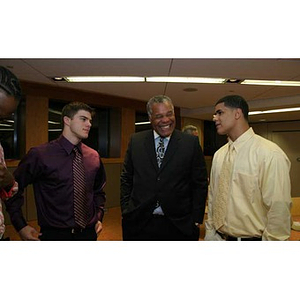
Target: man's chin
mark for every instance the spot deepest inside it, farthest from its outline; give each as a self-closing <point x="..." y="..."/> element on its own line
<point x="165" y="134"/>
<point x="220" y="132"/>
<point x="84" y="137"/>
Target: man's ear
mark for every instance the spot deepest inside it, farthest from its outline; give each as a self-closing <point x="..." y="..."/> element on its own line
<point x="67" y="120"/>
<point x="238" y="113"/>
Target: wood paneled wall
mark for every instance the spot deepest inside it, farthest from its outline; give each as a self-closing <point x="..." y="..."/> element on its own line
<point x="37" y="96"/>
<point x="36" y="121"/>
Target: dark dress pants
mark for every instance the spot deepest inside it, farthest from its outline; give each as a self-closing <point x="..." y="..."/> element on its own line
<point x="68" y="234"/>
<point x="158" y="228"/>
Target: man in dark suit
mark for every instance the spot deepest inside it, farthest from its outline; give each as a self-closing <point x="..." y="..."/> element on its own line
<point x="163" y="181"/>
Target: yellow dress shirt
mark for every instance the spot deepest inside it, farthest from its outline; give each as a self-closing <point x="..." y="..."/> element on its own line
<point x="259" y="192"/>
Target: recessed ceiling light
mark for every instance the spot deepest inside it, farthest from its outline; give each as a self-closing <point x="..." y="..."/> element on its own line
<point x="190" y="90"/>
<point x="233" y="80"/>
<point x="58" y="78"/>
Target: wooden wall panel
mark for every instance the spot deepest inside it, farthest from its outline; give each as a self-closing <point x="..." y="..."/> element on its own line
<point x="36" y="121"/>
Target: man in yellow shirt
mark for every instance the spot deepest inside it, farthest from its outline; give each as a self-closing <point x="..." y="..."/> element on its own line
<point x="254" y="202"/>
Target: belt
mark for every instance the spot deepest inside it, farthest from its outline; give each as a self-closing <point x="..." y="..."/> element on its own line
<point x="75" y="230"/>
<point x="233" y="238"/>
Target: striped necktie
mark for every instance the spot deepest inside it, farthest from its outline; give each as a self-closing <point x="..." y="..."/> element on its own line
<point x="80" y="198"/>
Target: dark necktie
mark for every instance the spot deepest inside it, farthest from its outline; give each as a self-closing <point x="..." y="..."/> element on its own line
<point x="160" y="151"/>
<point x="80" y="198"/>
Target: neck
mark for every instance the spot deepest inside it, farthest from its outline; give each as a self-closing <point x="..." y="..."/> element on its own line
<point x="238" y="131"/>
<point x="71" y="138"/>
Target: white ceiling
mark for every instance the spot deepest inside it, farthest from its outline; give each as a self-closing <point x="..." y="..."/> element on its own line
<point x="198" y="104"/>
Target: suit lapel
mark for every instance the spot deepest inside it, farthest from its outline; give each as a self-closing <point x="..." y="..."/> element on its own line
<point x="149" y="145"/>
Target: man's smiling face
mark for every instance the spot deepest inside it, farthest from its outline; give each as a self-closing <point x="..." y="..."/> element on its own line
<point x="163" y="118"/>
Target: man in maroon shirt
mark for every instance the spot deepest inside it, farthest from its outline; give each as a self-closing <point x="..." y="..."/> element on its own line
<point x="49" y="167"/>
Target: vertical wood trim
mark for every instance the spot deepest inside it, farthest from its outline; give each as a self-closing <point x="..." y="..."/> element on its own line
<point x="36" y="121"/>
<point x="128" y="128"/>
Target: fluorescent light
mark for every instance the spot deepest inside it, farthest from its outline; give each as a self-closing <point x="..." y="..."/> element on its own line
<point x="271" y="82"/>
<point x="55" y="123"/>
<point x="185" y="79"/>
<point x="54" y="111"/>
<point x="104" y="79"/>
<point x="142" y="123"/>
<point x="274" y="111"/>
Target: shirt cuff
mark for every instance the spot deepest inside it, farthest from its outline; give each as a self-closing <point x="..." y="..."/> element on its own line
<point x="4" y="194"/>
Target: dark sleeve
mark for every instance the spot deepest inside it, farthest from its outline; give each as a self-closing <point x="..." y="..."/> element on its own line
<point x="126" y="179"/>
<point x="25" y="174"/>
<point x="99" y="194"/>
<point x="199" y="183"/>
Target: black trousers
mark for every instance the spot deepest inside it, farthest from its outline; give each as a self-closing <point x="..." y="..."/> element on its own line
<point x="68" y="234"/>
<point x="159" y="228"/>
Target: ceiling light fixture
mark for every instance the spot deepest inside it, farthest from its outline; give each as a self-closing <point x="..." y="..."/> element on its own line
<point x="185" y="79"/>
<point x="233" y="80"/>
<point x="143" y="123"/>
<point x="176" y="79"/>
<point x="271" y="111"/>
<point x="271" y="82"/>
<point x="104" y="79"/>
<point x="54" y="123"/>
<point x="57" y="78"/>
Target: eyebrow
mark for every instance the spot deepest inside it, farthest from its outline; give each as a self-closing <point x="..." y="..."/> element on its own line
<point x="218" y="111"/>
<point x="83" y="116"/>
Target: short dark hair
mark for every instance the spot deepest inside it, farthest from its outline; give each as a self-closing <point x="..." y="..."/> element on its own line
<point x="158" y="99"/>
<point x="71" y="109"/>
<point x="235" y="101"/>
<point x="9" y="83"/>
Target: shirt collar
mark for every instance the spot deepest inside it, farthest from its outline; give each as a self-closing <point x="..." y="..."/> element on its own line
<point x="67" y="145"/>
<point x="156" y="135"/>
<point x="238" y="143"/>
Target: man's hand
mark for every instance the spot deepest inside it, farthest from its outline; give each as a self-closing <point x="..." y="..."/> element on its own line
<point x="28" y="233"/>
<point x="6" y="178"/>
<point x="98" y="227"/>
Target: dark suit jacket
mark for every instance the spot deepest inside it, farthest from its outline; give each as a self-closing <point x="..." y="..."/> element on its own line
<point x="180" y="184"/>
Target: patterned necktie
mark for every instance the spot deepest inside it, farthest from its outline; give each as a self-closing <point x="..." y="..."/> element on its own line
<point x="80" y="198"/>
<point x="160" y="151"/>
<point x="2" y="226"/>
<point x="220" y="206"/>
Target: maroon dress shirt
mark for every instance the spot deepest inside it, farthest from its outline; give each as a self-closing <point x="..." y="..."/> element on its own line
<point x="49" y="168"/>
